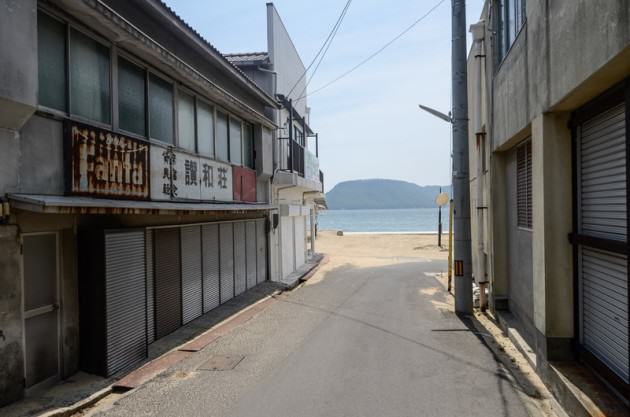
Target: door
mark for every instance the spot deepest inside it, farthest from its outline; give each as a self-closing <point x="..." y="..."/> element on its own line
<point x="602" y="240"/>
<point x="167" y="285"/>
<point x="41" y="307"/>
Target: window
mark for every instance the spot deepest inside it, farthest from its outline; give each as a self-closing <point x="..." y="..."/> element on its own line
<point x="161" y="110"/>
<point x="131" y="98"/>
<point x="186" y="121"/>
<point x="51" y="50"/>
<point x="248" y="145"/>
<point x="89" y="78"/>
<point x="222" y="136"/>
<point x="236" y="140"/>
<point x="510" y="20"/>
<point x="524" y="184"/>
<point x="205" y="129"/>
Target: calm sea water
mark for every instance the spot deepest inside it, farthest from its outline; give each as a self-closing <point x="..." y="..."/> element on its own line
<point x="384" y="220"/>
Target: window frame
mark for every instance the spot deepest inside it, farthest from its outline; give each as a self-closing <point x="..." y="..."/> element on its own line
<point x="116" y="118"/>
<point x="114" y="54"/>
<point x="213" y="109"/>
<point x="526" y="224"/>
<point x="502" y="28"/>
<point x="241" y="121"/>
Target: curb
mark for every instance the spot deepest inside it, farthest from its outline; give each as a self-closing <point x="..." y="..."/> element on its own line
<point x="222" y="328"/>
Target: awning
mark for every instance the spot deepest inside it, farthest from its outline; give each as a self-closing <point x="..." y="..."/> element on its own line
<point x="57" y="204"/>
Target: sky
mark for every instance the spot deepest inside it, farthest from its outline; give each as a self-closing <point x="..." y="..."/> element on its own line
<point x="369" y="123"/>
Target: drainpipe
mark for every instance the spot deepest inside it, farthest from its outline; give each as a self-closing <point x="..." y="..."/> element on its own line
<point x="478" y="35"/>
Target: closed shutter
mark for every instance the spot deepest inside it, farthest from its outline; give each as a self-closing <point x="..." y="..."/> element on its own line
<point x="150" y="279"/>
<point x="261" y="252"/>
<point x="168" y="288"/>
<point x="125" y="294"/>
<point x="524" y="184"/>
<point x="603" y="176"/>
<point x="250" y="236"/>
<point x="605" y="307"/>
<point x="211" y="285"/>
<point x="240" y="277"/>
<point x="226" y="245"/>
<point x="602" y="223"/>
<point x="191" y="273"/>
<point x="300" y="240"/>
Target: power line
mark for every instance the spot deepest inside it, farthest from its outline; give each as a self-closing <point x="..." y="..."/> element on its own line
<point x="351" y="70"/>
<point x="343" y="14"/>
<point x="332" y="33"/>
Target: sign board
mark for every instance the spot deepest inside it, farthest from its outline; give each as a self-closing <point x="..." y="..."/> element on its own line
<point x="180" y="176"/>
<point x="104" y="164"/>
<point x="441" y="199"/>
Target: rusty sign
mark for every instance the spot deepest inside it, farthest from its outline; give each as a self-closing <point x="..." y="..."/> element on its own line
<point x="105" y="164"/>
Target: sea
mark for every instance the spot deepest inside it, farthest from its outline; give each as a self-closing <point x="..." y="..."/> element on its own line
<point x="384" y="220"/>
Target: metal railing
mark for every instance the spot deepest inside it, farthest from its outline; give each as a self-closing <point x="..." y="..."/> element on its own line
<point x="291" y="156"/>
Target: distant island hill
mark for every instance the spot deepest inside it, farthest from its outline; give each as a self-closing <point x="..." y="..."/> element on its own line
<point x="382" y="194"/>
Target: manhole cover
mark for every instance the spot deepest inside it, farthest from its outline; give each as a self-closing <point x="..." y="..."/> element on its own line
<point x="221" y="363"/>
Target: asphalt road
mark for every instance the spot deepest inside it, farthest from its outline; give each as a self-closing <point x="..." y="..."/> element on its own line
<point x="368" y="336"/>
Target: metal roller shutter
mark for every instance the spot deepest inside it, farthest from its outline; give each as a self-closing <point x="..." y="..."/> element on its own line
<point x="211" y="284"/>
<point x="603" y="176"/>
<point x="226" y="245"/>
<point x="191" y="273"/>
<point x="168" y="288"/>
<point x="602" y="221"/>
<point x="125" y="294"/>
<point x="150" y="279"/>
<point x="605" y="307"/>
<point x="261" y="252"/>
<point x="240" y="277"/>
<point x="300" y="236"/>
<point x="250" y="236"/>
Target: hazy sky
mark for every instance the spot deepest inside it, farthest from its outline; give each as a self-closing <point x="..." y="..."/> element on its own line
<point x="369" y="123"/>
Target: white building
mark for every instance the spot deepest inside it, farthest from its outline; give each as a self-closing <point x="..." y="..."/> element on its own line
<point x="297" y="182"/>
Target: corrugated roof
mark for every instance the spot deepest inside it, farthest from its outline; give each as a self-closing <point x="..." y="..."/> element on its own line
<point x="247" y="57"/>
<point x="212" y="47"/>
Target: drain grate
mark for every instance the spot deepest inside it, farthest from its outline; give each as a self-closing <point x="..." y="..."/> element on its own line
<point x="221" y="363"/>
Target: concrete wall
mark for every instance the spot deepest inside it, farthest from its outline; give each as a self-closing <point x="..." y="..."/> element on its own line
<point x="519" y="257"/>
<point x="18" y="61"/>
<point x="11" y="356"/>
<point x="566" y="54"/>
<point x="285" y="59"/>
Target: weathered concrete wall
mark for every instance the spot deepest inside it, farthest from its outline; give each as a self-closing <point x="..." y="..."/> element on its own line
<point x="18" y="62"/>
<point x="11" y="356"/>
<point x="9" y="161"/>
<point x="69" y="303"/>
<point x="552" y="217"/>
<point x="41" y="157"/>
<point x="519" y="257"/>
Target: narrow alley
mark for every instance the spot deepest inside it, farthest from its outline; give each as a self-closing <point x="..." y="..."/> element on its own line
<point x="371" y="333"/>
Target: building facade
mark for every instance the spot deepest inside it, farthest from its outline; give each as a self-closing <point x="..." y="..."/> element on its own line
<point x="549" y="100"/>
<point x="135" y="178"/>
<point x="297" y="184"/>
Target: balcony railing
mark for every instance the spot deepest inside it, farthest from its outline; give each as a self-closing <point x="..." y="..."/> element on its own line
<point x="291" y="156"/>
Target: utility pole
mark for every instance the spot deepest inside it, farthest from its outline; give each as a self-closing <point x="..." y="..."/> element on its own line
<point x="440" y="223"/>
<point x="462" y="265"/>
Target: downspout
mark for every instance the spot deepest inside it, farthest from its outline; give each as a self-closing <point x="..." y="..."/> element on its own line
<point x="478" y="35"/>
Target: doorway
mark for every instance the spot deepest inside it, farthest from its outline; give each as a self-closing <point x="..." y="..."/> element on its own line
<point x="40" y="266"/>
